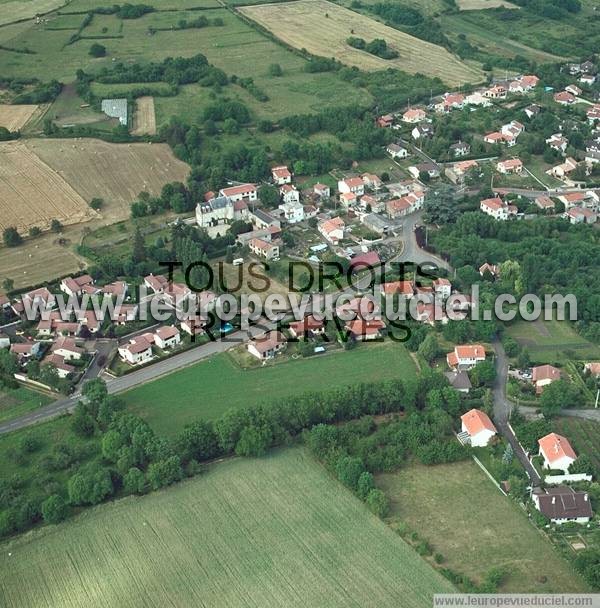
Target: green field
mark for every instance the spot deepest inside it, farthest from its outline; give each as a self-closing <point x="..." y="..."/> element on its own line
<point x="197" y="391"/>
<point x="548" y="341"/>
<point x="16" y="402"/>
<point x="462" y="515"/>
<point x="271" y="532"/>
<point x="584" y="436"/>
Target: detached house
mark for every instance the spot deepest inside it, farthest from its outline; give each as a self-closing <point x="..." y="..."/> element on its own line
<point x="76" y="286"/>
<point x="557" y="452"/>
<point x="167" y="336"/>
<point x="267" y="345"/>
<point x="352" y="184"/>
<point x="460" y="148"/>
<point x="414" y="115"/>
<point x="248" y="192"/>
<point x="581" y="215"/>
<point x="497" y="208"/>
<point x="562" y="504"/>
<point x="465" y="356"/>
<point x="137" y="351"/>
<point x="309" y="326"/>
<point x="558" y="142"/>
<point x="511" y="165"/>
<point x="322" y="190"/>
<point x="67" y="348"/>
<point x="478" y="427"/>
<point x="365" y="329"/>
<point x="264" y="249"/>
<point x="544" y="375"/>
<point x="562" y="171"/>
<point x="397" y="151"/>
<point x="564" y="98"/>
<point x="332" y="230"/>
<point x="281" y="175"/>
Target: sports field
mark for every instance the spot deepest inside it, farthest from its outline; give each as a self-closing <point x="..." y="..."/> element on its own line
<point x="278" y="531"/>
<point x="197" y="391"/>
<point x="465" y="518"/>
<point x="322" y="28"/>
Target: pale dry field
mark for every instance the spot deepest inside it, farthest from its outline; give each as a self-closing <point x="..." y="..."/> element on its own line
<point x="117" y="173"/>
<point x="144" y="120"/>
<point x="19" y="10"/>
<point x="478" y="5"/>
<point x="15" y="117"/>
<point x="303" y="24"/>
<point x="33" y="194"/>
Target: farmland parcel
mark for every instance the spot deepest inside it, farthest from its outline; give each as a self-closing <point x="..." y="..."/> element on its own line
<point x="271" y="532"/>
<point x="322" y="28"/>
<point x="14" y="118"/>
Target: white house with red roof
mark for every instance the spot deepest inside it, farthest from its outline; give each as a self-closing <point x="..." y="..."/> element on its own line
<point x="67" y="348"/>
<point x="563" y="170"/>
<point x="25" y="350"/>
<point x="63" y="369"/>
<point x="352" y="184"/>
<point x="365" y="329"/>
<point x="478" y="427"/>
<point x="557" y="142"/>
<point x="497" y="208"/>
<point x="465" y="356"/>
<point x="581" y="215"/>
<point x="281" y="175"/>
<point x="289" y="194"/>
<point x="333" y="229"/>
<point x="557" y="452"/>
<point x="264" y="249"/>
<point x="510" y="165"/>
<point x="497" y="91"/>
<point x="414" y="115"/>
<point x="564" y="98"/>
<point x="309" y="326"/>
<point x="137" y="351"/>
<point x="76" y="286"/>
<point x="247" y="192"/>
<point x="267" y="345"/>
<point x="167" y="336"/>
<point x="543" y="375"/>
<point x="194" y="325"/>
<point x="118" y="289"/>
<point x="400" y="288"/>
<point x="322" y="190"/>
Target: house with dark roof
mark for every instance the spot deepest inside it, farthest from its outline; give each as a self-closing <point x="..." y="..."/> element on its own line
<point x="562" y="504"/>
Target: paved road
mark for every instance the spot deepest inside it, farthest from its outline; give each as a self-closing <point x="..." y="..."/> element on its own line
<point x="502" y="410"/>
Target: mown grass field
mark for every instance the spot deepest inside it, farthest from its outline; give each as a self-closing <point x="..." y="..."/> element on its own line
<point x="548" y="341"/>
<point x="458" y="510"/>
<point x="271" y="532"/>
<point x="18" y="10"/>
<point x="197" y="391"/>
<point x="19" y="401"/>
<point x="322" y="28"/>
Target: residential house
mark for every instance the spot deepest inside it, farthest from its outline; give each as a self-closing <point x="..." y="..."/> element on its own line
<point x="322" y="190"/>
<point x="194" y="325"/>
<point x="365" y="329"/>
<point x="477" y="99"/>
<point x="544" y="202"/>
<point x="494" y="138"/>
<point x="460" y="148"/>
<point x="497" y="91"/>
<point x="370" y="259"/>
<point x="456" y="174"/>
<point x="157" y="283"/>
<point x="117" y="290"/>
<point x="563" y="170"/>
<point x="332" y="229"/>
<point x="593" y="368"/>
<point x="397" y="151"/>
<point x="137" y="351"/>
<point x="76" y="286"/>
<point x="36" y="300"/>
<point x="510" y="165"/>
<point x="574" y="90"/>
<point x="68" y="349"/>
<point x="528" y="82"/>
<point x="264" y="249"/>
<point x="385" y="121"/>
<point x="512" y="130"/>
<point x="167" y="336"/>
<point x="532" y="111"/>
<point x="592" y="158"/>
<point x="465" y="356"/>
<point x="267" y="345"/>
<point x="248" y="192"/>
<point x="558" y="142"/>
<point x="63" y="369"/>
<point x="309" y="326"/>
<point x="352" y="184"/>
<point x="557" y="452"/>
<point x="497" y="208"/>
<point x="581" y="215"/>
<point x="492" y="269"/>
<point x="4" y="340"/>
<point x="450" y="101"/>
<point x="587" y="79"/>
<point x="478" y="427"/>
<point x="432" y="169"/>
<point x="442" y="288"/>
<point x="293" y="212"/>
<point x="562" y="504"/>
<point x="414" y="115"/>
<point x="564" y="98"/>
<point x="422" y="131"/>
<point x="459" y="381"/>
<point x="263" y="220"/>
<point x="593" y="114"/>
<point x="372" y="181"/>
<point x="401" y="288"/>
<point x="25" y="350"/>
<point x="543" y="375"/>
<point x="348" y="199"/>
<point x="281" y="175"/>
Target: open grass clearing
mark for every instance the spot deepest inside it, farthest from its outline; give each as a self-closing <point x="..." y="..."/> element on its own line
<point x="463" y="516"/>
<point x="19" y="401"/>
<point x="197" y="391"/>
<point x="322" y="28"/>
<point x="20" y="10"/>
<point x="276" y="531"/>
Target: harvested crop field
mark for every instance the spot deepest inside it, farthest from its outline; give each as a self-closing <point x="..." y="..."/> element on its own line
<point x="14" y="118"/>
<point x="275" y="531"/>
<point x="303" y="24"/>
<point x="144" y="119"/>
<point x="117" y="173"/>
<point x="33" y="194"/>
<point x="19" y="10"/>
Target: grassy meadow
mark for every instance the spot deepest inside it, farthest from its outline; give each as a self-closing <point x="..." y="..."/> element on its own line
<point x="197" y="391"/>
<point x="465" y="518"/>
<point x="275" y="531"/>
<point x="19" y="401"/>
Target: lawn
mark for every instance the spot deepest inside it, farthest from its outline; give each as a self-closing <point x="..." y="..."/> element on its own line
<point x="16" y="402"/>
<point x="462" y="515"/>
<point x="197" y="391"/>
<point x="277" y="531"/>
<point x="549" y="341"/>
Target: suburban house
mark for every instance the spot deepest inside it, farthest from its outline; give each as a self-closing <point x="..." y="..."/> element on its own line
<point x="401" y="288"/>
<point x="372" y="181"/>
<point x="37" y="300"/>
<point x="543" y="375"/>
<point x="510" y="165"/>
<point x="332" y="230"/>
<point x="593" y="114"/>
<point x="459" y="381"/>
<point x="450" y="101"/>
<point x="497" y="208"/>
<point x="281" y="175"/>
<point x="25" y="350"/>
<point x="565" y="98"/>
<point x="422" y="131"/>
<point x="137" y="351"/>
<point x="365" y="329"/>
<point x="557" y="452"/>
<point x="532" y="110"/>
<point x="494" y="138"/>
<point x="116" y="290"/>
<point x="194" y="326"/>
<point x="157" y="283"/>
<point x="63" y="369"/>
<point x="496" y="92"/>
<point x="167" y="336"/>
<point x="465" y="356"/>
<point x="293" y="211"/>
<point x="430" y="169"/>
<point x="492" y="269"/>
<point x="247" y="192"/>
<point x="264" y="249"/>
<point x="562" y="171"/>
<point x="397" y="151"/>
<point x="478" y="427"/>
<point x="385" y="121"/>
<point x="4" y="341"/>
<point x="593" y="368"/>
<point x="545" y="203"/>
<point x="456" y="174"/>
<point x="289" y="194"/>
<point x="67" y="348"/>
<point x="322" y="190"/>
<point x="558" y="142"/>
<point x="562" y="504"/>
<point x="574" y="90"/>
<point x="580" y="215"/>
<point x="263" y="220"/>
<point x="267" y="345"/>
<point x="370" y="259"/>
<point x="477" y="99"/>
<point x="352" y="184"/>
<point x="442" y="288"/>
<point x="309" y="326"/>
<point x="414" y="115"/>
<point x="460" y="148"/>
<point x="76" y="286"/>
